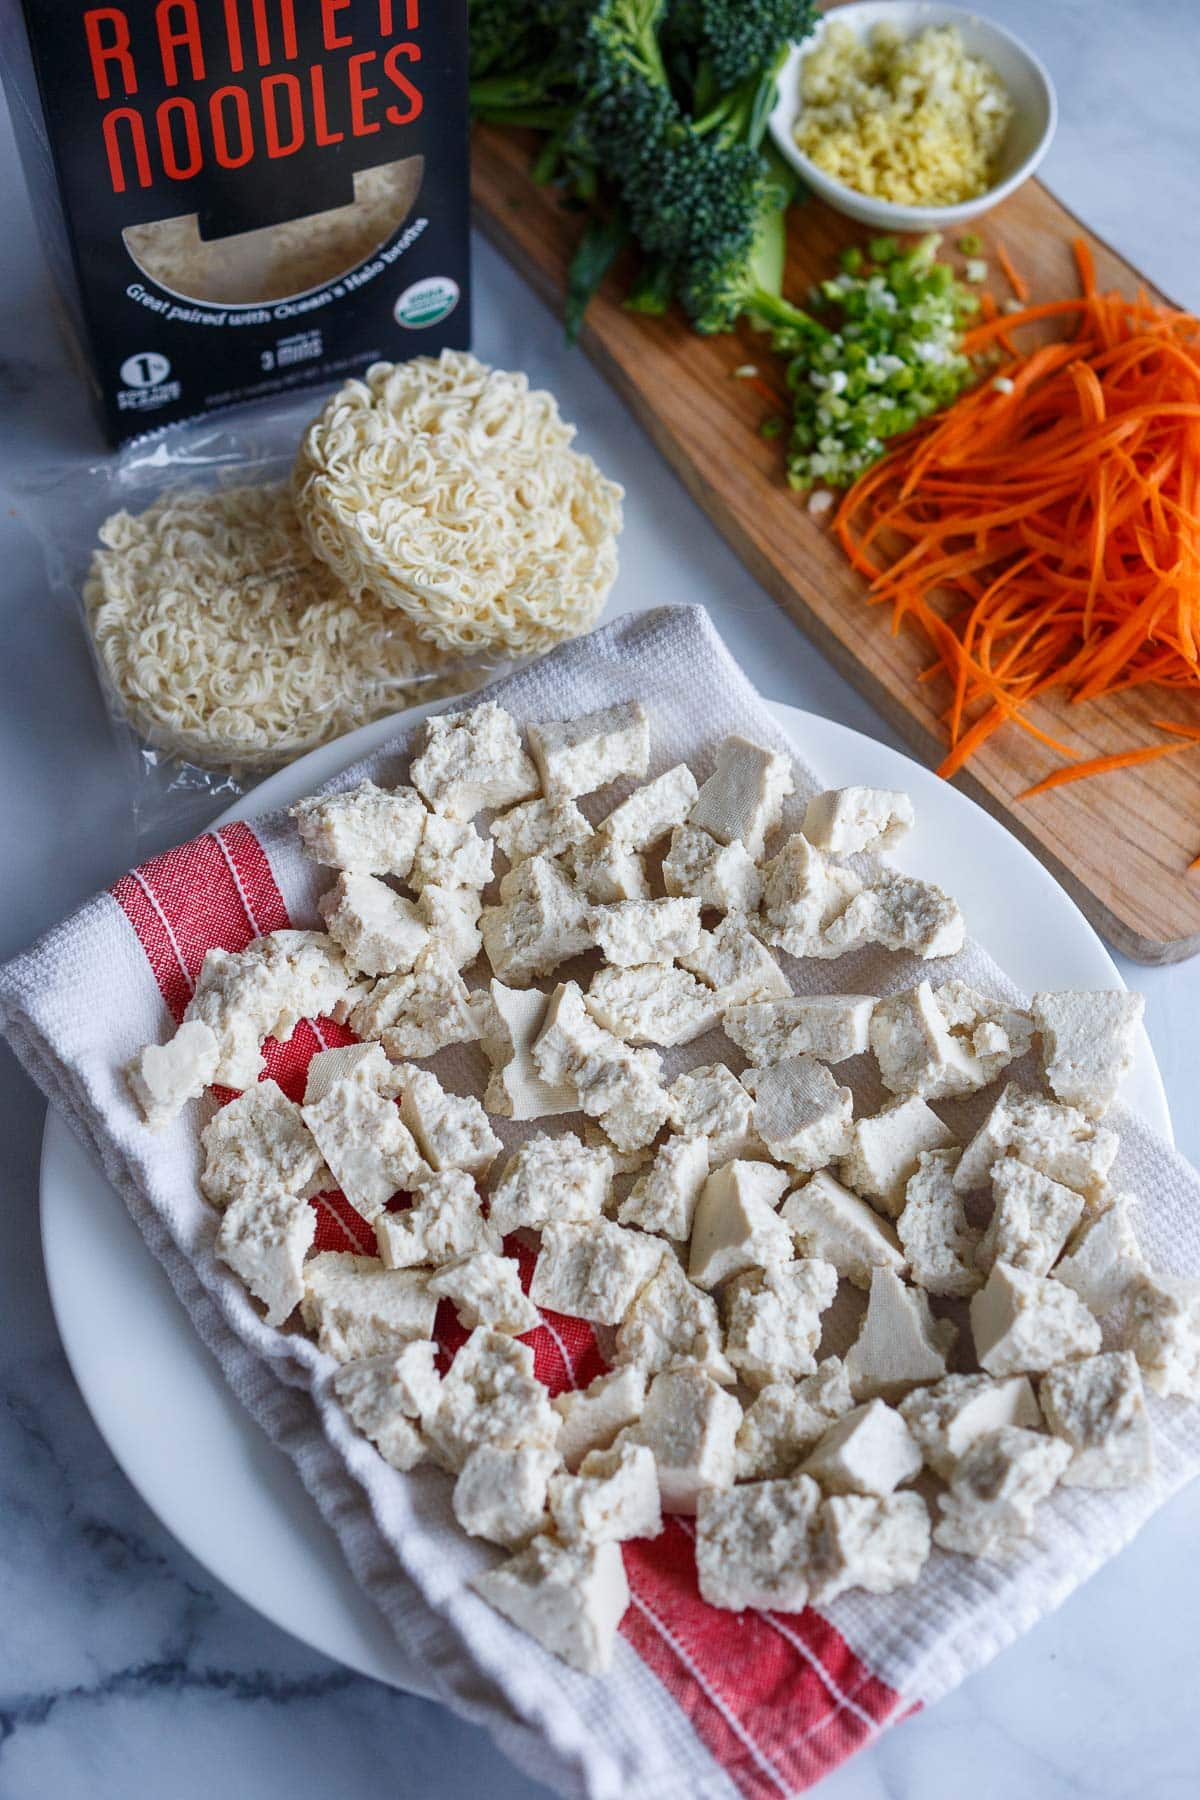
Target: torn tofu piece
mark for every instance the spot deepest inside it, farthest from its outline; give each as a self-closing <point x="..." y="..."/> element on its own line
<point x="903" y="914"/>
<point x="1088" y="1045"/>
<point x="885" y="1147"/>
<point x="672" y="1323"/>
<point x="654" y="1004"/>
<point x="723" y="877"/>
<point x="1098" y="1408"/>
<point x="945" y="1041"/>
<point x="734" y="962"/>
<point x="472" y="761"/>
<point x="736" y="1226"/>
<point x="328" y="1067"/>
<point x="802" y="895"/>
<point x="1059" y="1140"/>
<point x="592" y="1416"/>
<point x="366" y="830"/>
<point x="236" y="997"/>
<point x="867" y="1451"/>
<point x="613" y="1497"/>
<point x="258" y="1140"/>
<point x="540" y="828"/>
<point x="489" y="1396"/>
<point x="847" y="820"/>
<point x="651" y="811"/>
<point x="551" y="1180"/>
<point x="577" y="756"/>
<point x="451" y="916"/>
<point x="380" y="932"/>
<point x="743" y="798"/>
<point x="664" y="1199"/>
<point x="420" y="1013"/>
<point x="164" y="1077"/>
<point x="485" y="1289"/>
<point x="265" y="1235"/>
<point x="690" y="1423"/>
<point x="451" y="854"/>
<point x="995" y="1490"/>
<point x="710" y="1101"/>
<point x="900" y="1344"/>
<point x="1024" y="1324"/>
<point x="593" y="1271"/>
<point x="753" y="1545"/>
<point x="1103" y="1261"/>
<point x="541" y="921"/>
<point x="451" y="1130"/>
<point x="569" y="1599"/>
<point x="1032" y="1219"/>
<point x="613" y="1083"/>
<point x="786" y="1418"/>
<point x="1165" y="1334"/>
<point x="379" y="1399"/>
<point x="830" y="1027"/>
<point x="500" y="1494"/>
<point x="364" y="1138"/>
<point x="624" y="1162"/>
<point x="830" y="1222"/>
<point x="863" y="1541"/>
<point x="935" y="1234"/>
<point x="606" y="873"/>
<point x="946" y="1419"/>
<point x="358" y="1308"/>
<point x="445" y="1222"/>
<point x="773" y="1320"/>
<point x="634" y="932"/>
<point x="800" y="1113"/>
<point x="510" y="1022"/>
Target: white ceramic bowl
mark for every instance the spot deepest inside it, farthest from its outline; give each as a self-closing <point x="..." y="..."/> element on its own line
<point x="1035" y="112"/>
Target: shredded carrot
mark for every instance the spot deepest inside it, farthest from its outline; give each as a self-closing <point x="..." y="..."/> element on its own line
<point x="1016" y="281"/>
<point x="1101" y="765"/>
<point x="1183" y="731"/>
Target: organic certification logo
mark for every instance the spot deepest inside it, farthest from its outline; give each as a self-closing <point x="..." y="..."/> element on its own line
<point x="426" y="302"/>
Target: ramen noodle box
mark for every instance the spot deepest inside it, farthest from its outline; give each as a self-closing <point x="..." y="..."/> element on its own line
<point x="242" y="198"/>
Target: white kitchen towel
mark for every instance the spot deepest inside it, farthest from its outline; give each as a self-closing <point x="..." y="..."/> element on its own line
<point x="700" y="1702"/>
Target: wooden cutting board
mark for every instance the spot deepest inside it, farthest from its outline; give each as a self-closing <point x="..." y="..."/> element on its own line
<point x="1120" y="844"/>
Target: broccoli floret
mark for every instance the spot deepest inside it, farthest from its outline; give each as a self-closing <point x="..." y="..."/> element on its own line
<point x="740" y="270"/>
<point x="737" y="39"/>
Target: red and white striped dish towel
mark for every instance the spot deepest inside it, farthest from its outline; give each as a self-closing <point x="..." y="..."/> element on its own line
<point x="700" y="1702"/>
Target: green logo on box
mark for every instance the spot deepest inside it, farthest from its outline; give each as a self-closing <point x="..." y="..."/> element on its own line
<point x="426" y="302"/>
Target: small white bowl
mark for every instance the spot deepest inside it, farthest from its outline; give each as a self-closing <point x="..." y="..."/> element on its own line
<point x="1035" y="112"/>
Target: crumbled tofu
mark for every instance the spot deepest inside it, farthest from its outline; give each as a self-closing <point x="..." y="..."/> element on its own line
<point x="264" y="1237"/>
<point x="691" y="1425"/>
<point x="490" y="1396"/>
<point x="569" y="1599"/>
<point x="672" y="1323"/>
<point x="236" y="997"/>
<point x="802" y="895"/>
<point x="901" y="913"/>
<point x="1023" y="1323"/>
<point x="451" y="854"/>
<point x="736" y="1226"/>
<point x="1097" y="1407"/>
<point x="258" y="1140"/>
<point x="485" y="1289"/>
<point x="633" y="932"/>
<point x="664" y="1198"/>
<point x="828" y="1221"/>
<point x="847" y="820"/>
<point x="606" y="873"/>
<point x="500" y="1493"/>
<point x="787" y="1418"/>
<point x="1088" y="1043"/>
<point x="624" y="1162"/>
<point x="860" y="1541"/>
<point x="164" y="1077"/>
<point x="451" y="1130"/>
<point x="378" y="1396"/>
<point x="885" y="1147"/>
<point x="654" y="1004"/>
<point x="540" y="828"/>
<point x="733" y="961"/>
<point x="743" y="797"/>
<point x="551" y="1180"/>
<point x="613" y="1083"/>
<point x="593" y="1271"/>
<point x="711" y="1102"/>
<point x="1104" y="1260"/>
<point x="328" y="1067"/>
<point x="592" y="1416"/>
<point x="1059" y="1140"/>
<point x="993" y="1031"/>
<point x="773" y="1320"/>
<point x="1165" y="1334"/>
<point x="800" y="1113"/>
<point x="995" y="1490"/>
<point x="451" y="916"/>
<point x="541" y="921"/>
<point x="948" y="1418"/>
<point x="380" y="932"/>
<point x="1032" y="1220"/>
<point x="613" y="1497"/>
<point x="363" y="1138"/>
<point x="366" y="831"/>
<point x="445" y="1222"/>
<point x="577" y="756"/>
<point x="947" y="1041"/>
<point x="306" y="976"/>
<point x="935" y="1234"/>
<point x="722" y="876"/>
<point x="420" y="1013"/>
<point x="830" y="1027"/>
<point x="472" y="761"/>
<point x="651" y="811"/>
<point x="359" y="1309"/>
<point x="900" y="1344"/>
<point x="511" y="1021"/>
<point x="753" y="1545"/>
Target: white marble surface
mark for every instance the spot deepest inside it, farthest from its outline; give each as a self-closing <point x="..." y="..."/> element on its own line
<point x="124" y="1669"/>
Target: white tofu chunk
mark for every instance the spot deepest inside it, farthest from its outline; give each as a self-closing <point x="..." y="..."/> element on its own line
<point x="992" y="1030"/>
<point x="847" y="820"/>
<point x="258" y="1140"/>
<point x="451" y="1130"/>
<point x="733" y="961"/>
<point x="570" y="1600"/>
<point x="802" y="895"/>
<point x="551" y="1180"/>
<point x="903" y="914"/>
<point x="1098" y="1408"/>
<point x="366" y="830"/>
<point x="830" y="1027"/>
<point x="293" y="975"/>
<point x="671" y="1324"/>
<point x="1032" y="1219"/>
<point x="577" y="756"/>
<point x="485" y="1289"/>
<point x="363" y="1137"/>
<point x="592" y="1416"/>
<point x="236" y="997"/>
<point x="420" y="1013"/>
<point x="787" y="1418"/>
<point x="540" y="828"/>
<point x="445" y="1222"/>
<point x="691" y="1424"/>
<point x="1059" y="1140"/>
<point x="773" y="1320"/>
<point x="664" y="1199"/>
<point x="651" y="811"/>
<point x="1165" y="1334"/>
<point x="724" y="877"/>
<point x="471" y="761"/>
<point x="606" y="873"/>
<point x="451" y="854"/>
<point x="264" y="1237"/>
<point x="511" y="1021"/>
<point x="490" y="1396"/>
<point x="164" y="1077"/>
<point x="328" y="1067"/>
<point x="1088" y="1045"/>
<point x="380" y="932"/>
<point x="753" y="1545"/>
<point x="654" y="1004"/>
<point x="614" y="1497"/>
<point x="500" y="1494"/>
<point x="995" y="1490"/>
<point x="1104" y="1261"/>
<point x="624" y="1162"/>
<point x="946" y="1419"/>
<point x="613" y="1083"/>
<point x="360" y="1309"/>
<point x="633" y="932"/>
<point x="593" y="1271"/>
<point x="885" y="1148"/>
<point x="830" y="1222"/>
<point x="710" y="1102"/>
<point x="736" y="1226"/>
<point x="800" y="1113"/>
<point x="541" y="920"/>
<point x="451" y="916"/>
<point x="935" y="1234"/>
<point x="945" y="1041"/>
<point x="900" y="1344"/>
<point x="743" y="797"/>
<point x="378" y="1396"/>
<point x="877" y="1544"/>
<point x="1023" y="1324"/>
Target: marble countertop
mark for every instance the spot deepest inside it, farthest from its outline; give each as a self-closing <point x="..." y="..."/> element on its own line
<point x="125" y="1669"/>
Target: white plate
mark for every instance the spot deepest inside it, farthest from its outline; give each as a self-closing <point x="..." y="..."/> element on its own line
<point x="157" y="1396"/>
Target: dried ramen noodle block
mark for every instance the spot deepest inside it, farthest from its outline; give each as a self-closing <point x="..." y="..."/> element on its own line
<point x="450" y="490"/>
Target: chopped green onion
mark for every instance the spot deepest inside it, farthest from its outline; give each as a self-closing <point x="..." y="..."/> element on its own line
<point x="771" y="426"/>
<point x="971" y="244"/>
<point x="976" y="270"/>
